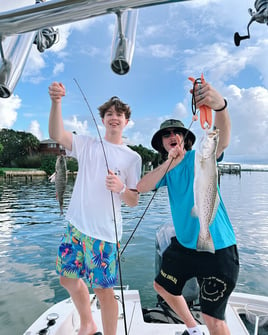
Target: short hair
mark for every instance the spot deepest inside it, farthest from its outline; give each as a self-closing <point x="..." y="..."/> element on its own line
<point x="119" y="105"/>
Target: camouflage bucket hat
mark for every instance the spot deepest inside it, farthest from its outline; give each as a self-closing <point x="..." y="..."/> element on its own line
<point x="157" y="138"/>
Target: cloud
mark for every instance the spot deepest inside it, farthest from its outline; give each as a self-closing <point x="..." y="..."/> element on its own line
<point x="173" y="42"/>
<point x="80" y="127"/>
<point x="34" y="128"/>
<point x="8" y="111"/>
<point x="39" y="61"/>
<point x="33" y="68"/>
<point x="58" y="68"/>
<point x="248" y="111"/>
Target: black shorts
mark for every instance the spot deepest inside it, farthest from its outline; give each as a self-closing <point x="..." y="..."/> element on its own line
<point x="216" y="274"/>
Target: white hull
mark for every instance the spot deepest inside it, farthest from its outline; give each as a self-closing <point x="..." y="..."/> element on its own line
<point x="68" y="319"/>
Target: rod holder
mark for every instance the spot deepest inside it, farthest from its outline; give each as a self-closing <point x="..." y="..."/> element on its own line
<point x="124" y="41"/>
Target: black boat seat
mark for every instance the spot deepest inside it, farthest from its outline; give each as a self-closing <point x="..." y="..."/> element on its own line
<point x="191" y="290"/>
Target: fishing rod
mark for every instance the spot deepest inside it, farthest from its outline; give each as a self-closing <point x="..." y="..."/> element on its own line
<point x="114" y="216"/>
<point x="145" y="211"/>
<point x="195" y="112"/>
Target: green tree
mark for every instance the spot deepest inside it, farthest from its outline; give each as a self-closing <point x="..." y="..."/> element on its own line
<point x="48" y="164"/>
<point x="8" y="142"/>
<point x="149" y="157"/>
<point x="30" y="143"/>
<point x="16" y="145"/>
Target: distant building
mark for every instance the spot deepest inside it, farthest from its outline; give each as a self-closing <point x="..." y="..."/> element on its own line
<point x="51" y="147"/>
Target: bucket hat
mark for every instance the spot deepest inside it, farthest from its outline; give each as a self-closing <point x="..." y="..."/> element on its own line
<point x="171" y="123"/>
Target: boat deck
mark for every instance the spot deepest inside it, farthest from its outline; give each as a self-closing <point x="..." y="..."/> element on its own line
<point x="67" y="319"/>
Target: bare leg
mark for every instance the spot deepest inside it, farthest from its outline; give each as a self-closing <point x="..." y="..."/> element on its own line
<point x="109" y="309"/>
<point x="80" y="296"/>
<point x="216" y="326"/>
<point x="178" y="304"/>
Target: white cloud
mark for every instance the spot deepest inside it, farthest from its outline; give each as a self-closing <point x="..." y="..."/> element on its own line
<point x="33" y="68"/>
<point x="162" y="51"/>
<point x="173" y="42"/>
<point x="34" y="128"/>
<point x="64" y="32"/>
<point x="130" y="124"/>
<point x="8" y="111"/>
<point x="58" y="68"/>
<point x="248" y="111"/>
<point x="80" y="127"/>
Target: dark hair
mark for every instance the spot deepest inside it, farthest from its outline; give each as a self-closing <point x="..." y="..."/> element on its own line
<point x="119" y="105"/>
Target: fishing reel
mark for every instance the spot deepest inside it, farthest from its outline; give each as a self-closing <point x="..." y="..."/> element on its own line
<point x="261" y="16"/>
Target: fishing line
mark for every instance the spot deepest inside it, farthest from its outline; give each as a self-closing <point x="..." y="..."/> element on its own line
<point x="114" y="216"/>
<point x="155" y="191"/>
<point x="147" y="207"/>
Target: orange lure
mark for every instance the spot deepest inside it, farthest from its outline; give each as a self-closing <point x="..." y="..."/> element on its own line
<point x="205" y="111"/>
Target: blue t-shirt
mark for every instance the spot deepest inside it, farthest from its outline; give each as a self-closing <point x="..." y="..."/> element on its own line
<point x="180" y="184"/>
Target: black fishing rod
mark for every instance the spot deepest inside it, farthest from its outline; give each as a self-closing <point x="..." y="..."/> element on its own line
<point x="145" y="211"/>
<point x="112" y="198"/>
<point x="195" y="112"/>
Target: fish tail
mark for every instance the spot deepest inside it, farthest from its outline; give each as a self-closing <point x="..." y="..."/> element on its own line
<point x="205" y="244"/>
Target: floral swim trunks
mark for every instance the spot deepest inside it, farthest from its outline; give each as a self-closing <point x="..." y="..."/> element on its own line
<point x="82" y="256"/>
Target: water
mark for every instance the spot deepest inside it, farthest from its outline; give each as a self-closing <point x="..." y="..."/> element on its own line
<point x="31" y="227"/>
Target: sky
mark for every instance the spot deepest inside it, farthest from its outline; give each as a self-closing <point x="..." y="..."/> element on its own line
<point x="173" y="42"/>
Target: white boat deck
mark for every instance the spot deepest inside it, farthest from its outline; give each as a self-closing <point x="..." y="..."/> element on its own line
<point x="68" y="320"/>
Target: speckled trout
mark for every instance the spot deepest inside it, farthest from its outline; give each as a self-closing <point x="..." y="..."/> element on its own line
<point x="60" y="179"/>
<point x="206" y="197"/>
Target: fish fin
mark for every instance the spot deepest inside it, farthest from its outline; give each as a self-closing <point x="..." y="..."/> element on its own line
<point x="52" y="178"/>
<point x="205" y="244"/>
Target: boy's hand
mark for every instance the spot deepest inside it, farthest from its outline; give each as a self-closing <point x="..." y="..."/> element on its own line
<point x="56" y="91"/>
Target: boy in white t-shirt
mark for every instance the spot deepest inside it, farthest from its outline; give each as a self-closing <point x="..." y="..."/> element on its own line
<point x="108" y="173"/>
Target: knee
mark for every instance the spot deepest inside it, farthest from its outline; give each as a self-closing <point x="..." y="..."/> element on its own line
<point x="105" y="295"/>
<point x="63" y="281"/>
<point x="68" y="282"/>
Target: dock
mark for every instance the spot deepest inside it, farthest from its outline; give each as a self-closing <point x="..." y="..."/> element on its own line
<point x="231" y="168"/>
<point x="28" y="175"/>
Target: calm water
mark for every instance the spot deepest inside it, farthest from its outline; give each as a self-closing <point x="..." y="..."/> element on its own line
<point x="31" y="227"/>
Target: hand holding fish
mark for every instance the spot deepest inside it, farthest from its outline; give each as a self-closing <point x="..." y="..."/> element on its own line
<point x="113" y="182"/>
<point x="56" y="91"/>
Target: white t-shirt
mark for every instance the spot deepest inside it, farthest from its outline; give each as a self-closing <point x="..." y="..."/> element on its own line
<point x="91" y="206"/>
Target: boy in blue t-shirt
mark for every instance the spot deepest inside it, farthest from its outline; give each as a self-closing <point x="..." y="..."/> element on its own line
<point x="216" y="272"/>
